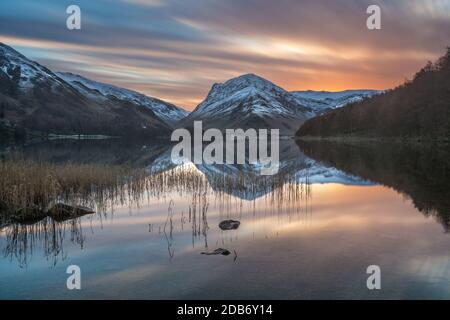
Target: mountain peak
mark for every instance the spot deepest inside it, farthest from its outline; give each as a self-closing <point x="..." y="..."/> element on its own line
<point x="249" y="79"/>
<point x="249" y="101"/>
<point x="246" y="82"/>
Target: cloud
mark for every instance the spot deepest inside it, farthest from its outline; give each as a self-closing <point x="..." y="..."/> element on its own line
<point x="150" y="3"/>
<point x="176" y="49"/>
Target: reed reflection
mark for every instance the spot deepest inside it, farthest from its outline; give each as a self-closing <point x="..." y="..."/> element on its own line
<point x="28" y="205"/>
<point x="49" y="235"/>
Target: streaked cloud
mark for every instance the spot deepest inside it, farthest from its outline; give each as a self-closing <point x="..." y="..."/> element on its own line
<point x="150" y="3"/>
<point x="176" y="49"/>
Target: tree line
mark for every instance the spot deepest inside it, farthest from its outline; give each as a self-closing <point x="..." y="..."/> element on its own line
<point x="419" y="109"/>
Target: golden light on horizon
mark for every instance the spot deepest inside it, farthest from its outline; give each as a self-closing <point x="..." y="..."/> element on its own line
<point x="183" y="72"/>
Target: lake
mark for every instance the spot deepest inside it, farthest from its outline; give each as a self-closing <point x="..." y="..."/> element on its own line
<point x="310" y="232"/>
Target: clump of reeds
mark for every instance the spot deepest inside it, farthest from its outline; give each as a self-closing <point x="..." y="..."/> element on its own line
<point x="31" y="186"/>
<point x="283" y="192"/>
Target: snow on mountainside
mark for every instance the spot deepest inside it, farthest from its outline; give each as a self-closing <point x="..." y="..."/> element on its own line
<point x="32" y="97"/>
<point x="249" y="101"/>
<point x="248" y="86"/>
<point x="24" y="72"/>
<point x="166" y="111"/>
<point x="323" y="101"/>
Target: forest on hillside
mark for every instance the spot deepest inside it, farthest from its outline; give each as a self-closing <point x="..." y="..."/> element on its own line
<point x="417" y="110"/>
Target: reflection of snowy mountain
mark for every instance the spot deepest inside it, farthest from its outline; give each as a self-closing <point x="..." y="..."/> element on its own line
<point x="245" y="181"/>
<point x="319" y="173"/>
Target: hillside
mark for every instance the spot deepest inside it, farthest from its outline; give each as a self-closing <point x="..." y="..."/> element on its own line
<point x="249" y="101"/>
<point x="35" y="98"/>
<point x="418" y="109"/>
<point x="164" y="110"/>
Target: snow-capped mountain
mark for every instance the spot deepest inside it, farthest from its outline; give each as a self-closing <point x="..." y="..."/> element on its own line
<point x="33" y="97"/>
<point x="249" y="101"/>
<point x="23" y="72"/>
<point x="323" y="101"/>
<point x="166" y="111"/>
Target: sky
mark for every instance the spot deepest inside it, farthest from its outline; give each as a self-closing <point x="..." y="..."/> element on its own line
<point x="176" y="50"/>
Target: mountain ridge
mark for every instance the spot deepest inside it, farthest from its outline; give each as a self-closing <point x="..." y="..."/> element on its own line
<point x="245" y="101"/>
<point x="416" y="110"/>
<point x="166" y="111"/>
<point x="251" y="101"/>
<point x="35" y="98"/>
<point x="324" y="101"/>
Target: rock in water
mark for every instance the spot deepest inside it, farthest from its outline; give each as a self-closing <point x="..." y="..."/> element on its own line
<point x="3" y="206"/>
<point x="28" y="216"/>
<point x="229" y="225"/>
<point x="221" y="251"/>
<point x="62" y="212"/>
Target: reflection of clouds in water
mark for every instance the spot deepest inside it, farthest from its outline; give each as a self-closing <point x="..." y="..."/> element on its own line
<point x="302" y="200"/>
<point x="47" y="235"/>
<point x="133" y="261"/>
<point x="129" y="275"/>
<point x="433" y="268"/>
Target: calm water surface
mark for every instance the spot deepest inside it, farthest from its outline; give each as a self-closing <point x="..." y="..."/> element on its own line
<point x="342" y="209"/>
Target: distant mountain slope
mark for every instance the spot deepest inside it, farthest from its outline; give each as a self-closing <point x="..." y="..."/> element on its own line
<point x="419" y="109"/>
<point x="34" y="97"/>
<point x="323" y="101"/>
<point x="165" y="111"/>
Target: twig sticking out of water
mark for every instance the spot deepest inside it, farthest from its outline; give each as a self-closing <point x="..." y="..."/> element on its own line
<point x="169" y="238"/>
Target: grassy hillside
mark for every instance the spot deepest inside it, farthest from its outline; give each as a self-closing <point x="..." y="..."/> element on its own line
<point x="418" y="110"/>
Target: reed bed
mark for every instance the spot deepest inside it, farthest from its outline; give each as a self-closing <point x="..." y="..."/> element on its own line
<point x="28" y="188"/>
<point x="188" y="180"/>
<point x="32" y="186"/>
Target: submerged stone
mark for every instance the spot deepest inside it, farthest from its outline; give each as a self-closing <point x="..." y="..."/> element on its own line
<point x="62" y="212"/>
<point x="28" y="216"/>
<point x="229" y="225"/>
<point x="221" y="251"/>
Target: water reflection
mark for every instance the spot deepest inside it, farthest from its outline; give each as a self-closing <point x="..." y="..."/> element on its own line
<point x="192" y="195"/>
<point x="420" y="172"/>
<point x="23" y="239"/>
<point x="227" y="188"/>
<point x="108" y="151"/>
